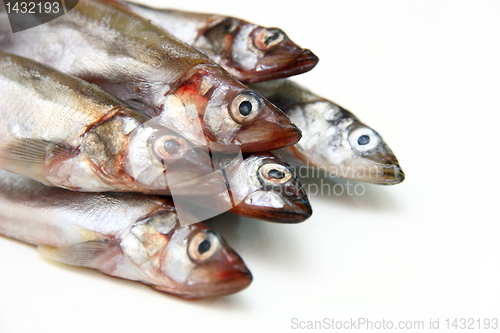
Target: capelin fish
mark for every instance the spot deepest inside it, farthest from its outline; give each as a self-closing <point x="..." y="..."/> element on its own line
<point x="261" y="186"/>
<point x="65" y="132"/>
<point x="130" y="236"/>
<point x="334" y="140"/>
<point x="249" y="52"/>
<point x="136" y="61"/>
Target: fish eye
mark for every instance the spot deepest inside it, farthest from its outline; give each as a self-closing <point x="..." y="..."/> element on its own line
<point x="363" y="139"/>
<point x="245" y="107"/>
<point x="275" y="174"/>
<point x="203" y="245"/>
<point x="267" y="38"/>
<point x="168" y="146"/>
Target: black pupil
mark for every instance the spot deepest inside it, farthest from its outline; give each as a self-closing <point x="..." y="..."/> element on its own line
<point x="272" y="37"/>
<point x="204" y="246"/>
<point x="273" y="173"/>
<point x="171" y="146"/>
<point x="363" y="140"/>
<point x="245" y="108"/>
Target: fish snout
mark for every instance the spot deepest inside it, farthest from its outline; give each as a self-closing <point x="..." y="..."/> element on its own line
<point x="392" y="175"/>
<point x="378" y="173"/>
<point x="297" y="207"/>
<point x="283" y="62"/>
<point x="271" y="130"/>
<point x="387" y="168"/>
<point x="225" y="277"/>
<point x="236" y="281"/>
<point x="304" y="63"/>
<point x="298" y="211"/>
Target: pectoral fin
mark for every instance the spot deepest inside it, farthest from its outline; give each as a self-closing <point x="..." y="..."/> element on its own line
<point x="31" y="157"/>
<point x="105" y="257"/>
<point x="89" y="254"/>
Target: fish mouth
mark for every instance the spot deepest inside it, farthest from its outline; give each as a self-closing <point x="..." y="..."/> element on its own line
<point x="297" y="212"/>
<point x="236" y="280"/>
<point x="378" y="174"/>
<point x="298" y="65"/>
<point x="265" y="138"/>
<point x="291" y="213"/>
<point x="391" y="176"/>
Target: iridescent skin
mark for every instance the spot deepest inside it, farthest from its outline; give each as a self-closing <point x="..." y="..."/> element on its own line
<point x="249" y="52"/>
<point x="130" y="236"/>
<point x="104" y="43"/>
<point x="65" y="132"/>
<point x="334" y="140"/>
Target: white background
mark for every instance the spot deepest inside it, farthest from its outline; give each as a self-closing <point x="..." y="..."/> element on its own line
<point x="424" y="74"/>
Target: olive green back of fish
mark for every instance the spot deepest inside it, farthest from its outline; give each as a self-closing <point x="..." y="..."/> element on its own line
<point x="147" y="43"/>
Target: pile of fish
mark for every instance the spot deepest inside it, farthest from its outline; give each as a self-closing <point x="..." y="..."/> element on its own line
<point x="123" y="127"/>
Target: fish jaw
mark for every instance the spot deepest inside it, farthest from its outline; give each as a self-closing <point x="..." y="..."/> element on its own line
<point x="236" y="281"/>
<point x="219" y="281"/>
<point x="270" y="207"/>
<point x="270" y="131"/>
<point x="381" y="168"/>
<point x="278" y="66"/>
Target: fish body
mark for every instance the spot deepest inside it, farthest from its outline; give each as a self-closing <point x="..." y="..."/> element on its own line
<point x="249" y="52"/>
<point x="334" y="140"/>
<point x="136" y="61"/>
<point x="131" y="236"/>
<point x="65" y="132"/>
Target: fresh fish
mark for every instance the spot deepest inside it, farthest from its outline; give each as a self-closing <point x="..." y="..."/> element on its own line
<point x="131" y="236"/>
<point x="334" y="140"/>
<point x="261" y="186"/>
<point x="249" y="52"/>
<point x="65" y="132"/>
<point x="102" y="42"/>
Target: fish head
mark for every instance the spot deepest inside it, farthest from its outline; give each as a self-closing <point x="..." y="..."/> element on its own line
<point x="252" y="53"/>
<point x="228" y="114"/>
<point x="189" y="261"/>
<point x="148" y="156"/>
<point x="341" y="145"/>
<point x="264" y="186"/>
<point x="371" y="160"/>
